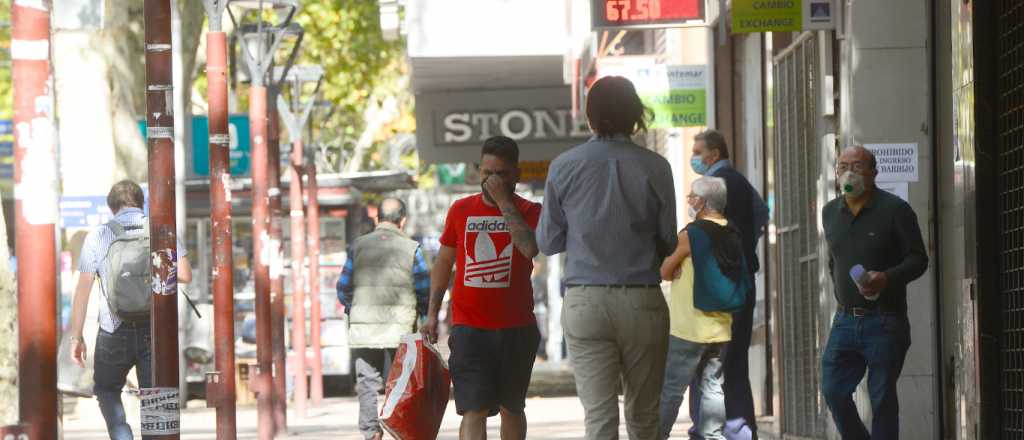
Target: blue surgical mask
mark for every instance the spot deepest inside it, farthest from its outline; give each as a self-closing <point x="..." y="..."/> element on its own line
<point x="698" y="165"/>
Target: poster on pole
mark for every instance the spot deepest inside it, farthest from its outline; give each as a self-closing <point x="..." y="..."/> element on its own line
<point x="900" y="189"/>
<point x="160" y="412"/>
<point x="676" y="94"/>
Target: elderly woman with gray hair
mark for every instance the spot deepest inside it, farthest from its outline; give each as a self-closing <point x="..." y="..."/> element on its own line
<point x="707" y="271"/>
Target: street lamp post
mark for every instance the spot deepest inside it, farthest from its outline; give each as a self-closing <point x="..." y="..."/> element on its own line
<point x="295" y="119"/>
<point x="316" y="382"/>
<point x="278" y="76"/>
<point x="220" y="386"/>
<point x="259" y="41"/>
<point x="277" y="264"/>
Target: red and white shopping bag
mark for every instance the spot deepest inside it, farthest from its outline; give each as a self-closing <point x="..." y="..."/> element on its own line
<point x="417" y="391"/>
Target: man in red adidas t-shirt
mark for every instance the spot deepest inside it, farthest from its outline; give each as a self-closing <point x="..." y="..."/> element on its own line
<point x="489" y="237"/>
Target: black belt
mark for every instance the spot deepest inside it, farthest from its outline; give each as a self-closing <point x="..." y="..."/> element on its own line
<point x="618" y="286"/>
<point x="863" y="311"/>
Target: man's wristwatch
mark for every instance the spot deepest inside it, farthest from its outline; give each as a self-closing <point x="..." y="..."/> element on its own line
<point x="76" y="338"/>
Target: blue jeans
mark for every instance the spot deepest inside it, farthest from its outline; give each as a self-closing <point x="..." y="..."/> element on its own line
<point x="116" y="353"/>
<point x="702" y="364"/>
<point x="877" y="343"/>
<point x="739" y="398"/>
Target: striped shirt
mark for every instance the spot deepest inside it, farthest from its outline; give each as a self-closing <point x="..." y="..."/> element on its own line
<point x="94" y="251"/>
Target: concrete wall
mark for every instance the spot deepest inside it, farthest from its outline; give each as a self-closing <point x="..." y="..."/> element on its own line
<point x="685" y="46"/>
<point x="748" y="81"/>
<point x="468" y="28"/>
<point x="887" y="98"/>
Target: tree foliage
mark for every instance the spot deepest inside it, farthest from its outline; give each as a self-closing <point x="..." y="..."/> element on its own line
<point x="362" y="70"/>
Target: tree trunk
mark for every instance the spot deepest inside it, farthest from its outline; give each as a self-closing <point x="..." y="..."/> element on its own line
<point x="101" y="86"/>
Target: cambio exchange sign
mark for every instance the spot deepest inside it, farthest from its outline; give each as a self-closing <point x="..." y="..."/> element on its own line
<point x="451" y="126"/>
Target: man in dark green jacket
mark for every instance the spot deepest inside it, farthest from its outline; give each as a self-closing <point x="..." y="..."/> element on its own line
<point x="875" y="250"/>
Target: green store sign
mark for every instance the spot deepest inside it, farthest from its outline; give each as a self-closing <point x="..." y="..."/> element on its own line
<point x="767" y="16"/>
<point x="675" y="93"/>
<point x="678" y="108"/>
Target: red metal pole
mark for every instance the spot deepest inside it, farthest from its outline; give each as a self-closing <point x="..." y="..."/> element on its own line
<point x="298" y="241"/>
<point x="276" y="280"/>
<point x="316" y="386"/>
<point x="262" y="254"/>
<point x="35" y="176"/>
<point x="222" y="393"/>
<point x="163" y="239"/>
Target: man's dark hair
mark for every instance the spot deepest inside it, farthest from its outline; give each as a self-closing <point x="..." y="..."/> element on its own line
<point x="391" y="210"/>
<point x="613" y="107"/>
<point x="502" y="147"/>
<point x="714" y="140"/>
<point x="125" y="194"/>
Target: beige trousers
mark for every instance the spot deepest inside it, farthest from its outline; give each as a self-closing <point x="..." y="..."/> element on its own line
<point x="617" y="334"/>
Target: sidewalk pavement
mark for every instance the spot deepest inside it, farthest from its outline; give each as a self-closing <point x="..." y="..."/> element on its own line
<point x="549" y="418"/>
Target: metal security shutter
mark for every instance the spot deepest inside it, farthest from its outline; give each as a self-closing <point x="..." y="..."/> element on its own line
<point x="1010" y="71"/>
<point x="797" y="163"/>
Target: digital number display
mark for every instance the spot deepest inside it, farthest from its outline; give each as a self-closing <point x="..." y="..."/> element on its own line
<point x="645" y="13"/>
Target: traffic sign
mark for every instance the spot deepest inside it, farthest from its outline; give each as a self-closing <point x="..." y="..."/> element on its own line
<point x="84" y="211"/>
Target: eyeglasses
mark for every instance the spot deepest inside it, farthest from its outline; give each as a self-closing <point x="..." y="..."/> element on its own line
<point x="856" y="167"/>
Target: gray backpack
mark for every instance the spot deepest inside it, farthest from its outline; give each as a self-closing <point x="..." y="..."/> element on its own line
<point x="127" y="265"/>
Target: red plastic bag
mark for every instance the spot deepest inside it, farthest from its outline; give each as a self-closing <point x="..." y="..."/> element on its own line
<point x="417" y="391"/>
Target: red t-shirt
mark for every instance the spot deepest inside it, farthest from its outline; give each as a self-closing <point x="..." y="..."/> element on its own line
<point x="492" y="288"/>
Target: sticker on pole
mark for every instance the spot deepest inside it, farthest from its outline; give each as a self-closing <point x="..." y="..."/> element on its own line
<point x="160" y="411"/>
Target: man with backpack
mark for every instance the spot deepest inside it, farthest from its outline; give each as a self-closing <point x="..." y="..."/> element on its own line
<point x="118" y="253"/>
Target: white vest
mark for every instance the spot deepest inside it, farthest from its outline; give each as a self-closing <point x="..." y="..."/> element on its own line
<point x="384" y="301"/>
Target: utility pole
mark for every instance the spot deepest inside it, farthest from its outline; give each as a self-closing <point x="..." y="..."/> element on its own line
<point x="259" y="41"/>
<point x="36" y="201"/>
<point x="220" y="385"/>
<point x="295" y="119"/>
<point x="162" y="222"/>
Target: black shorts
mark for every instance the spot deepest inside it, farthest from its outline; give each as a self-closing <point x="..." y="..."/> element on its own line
<point x="491" y="369"/>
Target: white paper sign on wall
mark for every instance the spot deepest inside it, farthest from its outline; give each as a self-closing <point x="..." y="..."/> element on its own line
<point x="901" y="189"/>
<point x="896" y="162"/>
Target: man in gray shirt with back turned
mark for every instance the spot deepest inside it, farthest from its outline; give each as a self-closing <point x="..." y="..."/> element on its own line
<point x="609" y="204"/>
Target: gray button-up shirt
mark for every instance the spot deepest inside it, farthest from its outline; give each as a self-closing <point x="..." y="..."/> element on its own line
<point x="610" y="205"/>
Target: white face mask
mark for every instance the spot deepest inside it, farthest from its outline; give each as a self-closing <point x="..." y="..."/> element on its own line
<point x="694" y="212"/>
<point x="851" y="184"/>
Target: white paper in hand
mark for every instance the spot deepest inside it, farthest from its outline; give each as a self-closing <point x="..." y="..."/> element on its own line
<point x="860" y="278"/>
